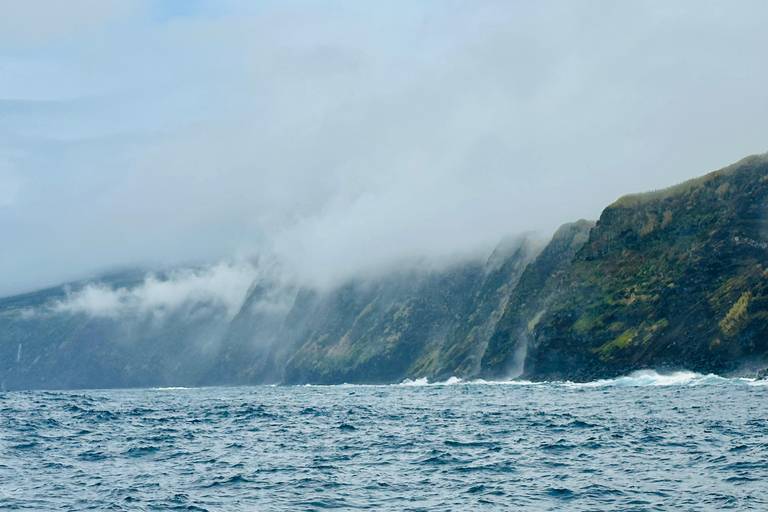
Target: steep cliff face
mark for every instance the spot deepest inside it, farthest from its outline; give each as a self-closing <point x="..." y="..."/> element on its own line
<point x="540" y="285"/>
<point x="42" y="348"/>
<point x="257" y="342"/>
<point x="413" y="324"/>
<point x="460" y="352"/>
<point x="373" y="331"/>
<point x="674" y="278"/>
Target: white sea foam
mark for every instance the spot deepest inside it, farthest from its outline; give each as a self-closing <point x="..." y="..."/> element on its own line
<point x="754" y="382"/>
<point x="418" y="382"/>
<point x="640" y="378"/>
<point x="635" y="379"/>
<point x="652" y="378"/>
<point x="424" y="381"/>
<point x="505" y="382"/>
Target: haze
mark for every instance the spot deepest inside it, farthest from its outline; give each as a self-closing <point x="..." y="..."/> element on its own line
<point x="346" y="137"/>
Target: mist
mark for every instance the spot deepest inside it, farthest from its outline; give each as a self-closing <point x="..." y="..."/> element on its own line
<point x="223" y="286"/>
<point x="345" y="139"/>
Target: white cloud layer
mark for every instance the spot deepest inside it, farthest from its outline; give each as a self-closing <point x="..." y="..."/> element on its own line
<point x="222" y="286"/>
<point x="348" y="137"/>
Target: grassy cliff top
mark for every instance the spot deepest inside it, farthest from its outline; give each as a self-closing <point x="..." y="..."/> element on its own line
<point x="632" y="200"/>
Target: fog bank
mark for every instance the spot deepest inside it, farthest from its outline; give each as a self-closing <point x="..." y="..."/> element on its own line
<point x="346" y="138"/>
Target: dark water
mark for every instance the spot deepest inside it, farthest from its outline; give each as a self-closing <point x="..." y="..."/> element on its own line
<point x="640" y="443"/>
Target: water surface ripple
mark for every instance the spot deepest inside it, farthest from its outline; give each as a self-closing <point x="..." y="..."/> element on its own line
<point x="696" y="443"/>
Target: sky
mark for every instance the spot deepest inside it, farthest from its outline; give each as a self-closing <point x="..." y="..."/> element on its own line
<point x="347" y="137"/>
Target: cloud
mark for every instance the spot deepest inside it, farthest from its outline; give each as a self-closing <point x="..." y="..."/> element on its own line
<point x="347" y="138"/>
<point x="10" y="184"/>
<point x="222" y="286"/>
<point x="33" y="22"/>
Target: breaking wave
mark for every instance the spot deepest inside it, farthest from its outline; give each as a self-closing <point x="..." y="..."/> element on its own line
<point x="653" y="378"/>
<point x="425" y="382"/>
<point x="639" y="378"/>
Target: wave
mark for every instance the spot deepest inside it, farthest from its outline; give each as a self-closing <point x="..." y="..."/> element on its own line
<point x="653" y="378"/>
<point x="425" y="382"/>
<point x="640" y="378"/>
<point x="682" y="378"/>
<point x="507" y="382"/>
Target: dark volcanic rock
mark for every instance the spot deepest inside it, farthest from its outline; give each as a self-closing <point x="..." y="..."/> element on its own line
<point x="411" y="324"/>
<point x="672" y="279"/>
<point x="669" y="279"/>
<point x="540" y="285"/>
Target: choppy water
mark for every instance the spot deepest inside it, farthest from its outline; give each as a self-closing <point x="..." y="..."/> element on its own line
<point x="645" y="442"/>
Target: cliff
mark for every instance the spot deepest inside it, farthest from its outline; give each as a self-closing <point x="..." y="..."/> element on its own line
<point x="669" y="279"/>
<point x="432" y="323"/>
<point x="540" y="285"/>
<point x="41" y="348"/>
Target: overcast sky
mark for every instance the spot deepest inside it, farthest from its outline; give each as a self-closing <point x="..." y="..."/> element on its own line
<point x="350" y="136"/>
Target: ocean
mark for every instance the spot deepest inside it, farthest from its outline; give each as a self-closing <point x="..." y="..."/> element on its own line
<point x="646" y="442"/>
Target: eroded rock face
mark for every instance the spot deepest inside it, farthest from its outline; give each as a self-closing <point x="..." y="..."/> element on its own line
<point x="674" y="278"/>
<point x="540" y="285"/>
<point x="44" y="349"/>
<point x="408" y="325"/>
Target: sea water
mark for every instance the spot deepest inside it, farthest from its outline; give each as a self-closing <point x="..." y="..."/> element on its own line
<point x="644" y="442"/>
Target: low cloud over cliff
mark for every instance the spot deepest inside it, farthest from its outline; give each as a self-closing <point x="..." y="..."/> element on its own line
<point x="222" y="286"/>
<point x="346" y="138"/>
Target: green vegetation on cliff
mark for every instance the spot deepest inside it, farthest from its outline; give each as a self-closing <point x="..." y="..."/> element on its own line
<point x="415" y="324"/>
<point x="673" y="278"/>
<point x="676" y="278"/>
<point x="539" y="286"/>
